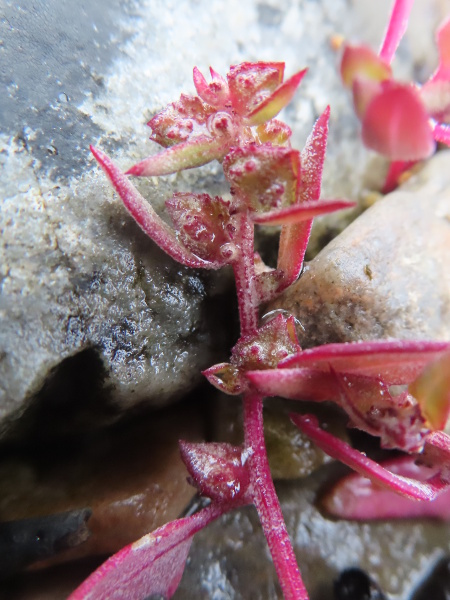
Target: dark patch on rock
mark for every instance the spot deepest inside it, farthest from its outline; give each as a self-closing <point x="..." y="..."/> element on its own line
<point x="53" y="56"/>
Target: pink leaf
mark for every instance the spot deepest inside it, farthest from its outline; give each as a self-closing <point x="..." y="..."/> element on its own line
<point x="186" y="155"/>
<point x="218" y="470"/>
<point x="152" y="565"/>
<point x="301" y="212"/>
<point x="398" y="22"/>
<point x="386" y="126"/>
<point x="357" y="498"/>
<point x="271" y="106"/>
<point x="396" y="170"/>
<point x="226" y="378"/>
<point x="216" y="93"/>
<point x="180" y="121"/>
<point x="395" y="361"/>
<point x="296" y="384"/>
<point x="251" y="83"/>
<point x="361" y="62"/>
<point x="443" y="43"/>
<point x="146" y="217"/>
<point x="341" y="451"/>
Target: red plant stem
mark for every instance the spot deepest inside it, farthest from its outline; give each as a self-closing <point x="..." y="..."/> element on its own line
<point x="245" y="276"/>
<point x="267" y="503"/>
<point x="398" y="22"/>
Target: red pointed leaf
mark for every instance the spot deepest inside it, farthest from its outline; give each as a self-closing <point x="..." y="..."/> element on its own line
<point x="186" y="155"/>
<point x="301" y="212"/>
<point x="443" y="43"/>
<point x="216" y="93"/>
<point x="341" y="451"/>
<point x="218" y="470"/>
<point x="397" y="362"/>
<point x="251" y="83"/>
<point x="398" y="22"/>
<point x="361" y="62"/>
<point x="387" y="129"/>
<point x="357" y="498"/>
<point x="272" y="105"/>
<point x="312" y="159"/>
<point x="146" y="217"/>
<point x="226" y="378"/>
<point x="152" y="565"/>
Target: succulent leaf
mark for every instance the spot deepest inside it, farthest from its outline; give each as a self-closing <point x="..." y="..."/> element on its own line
<point x="274" y="132"/>
<point x="215" y="93"/>
<point x="251" y="83"/>
<point x="361" y="62"/>
<point x="432" y="390"/>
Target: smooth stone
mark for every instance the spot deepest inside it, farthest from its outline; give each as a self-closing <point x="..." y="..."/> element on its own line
<point x="386" y="275"/>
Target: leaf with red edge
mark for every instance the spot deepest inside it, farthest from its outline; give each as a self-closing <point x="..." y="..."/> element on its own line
<point x="151" y="566"/>
<point x="215" y="93"/>
<point x="301" y="212"/>
<point x="361" y="62"/>
<point x="146" y="217"/>
<point x="396" y="420"/>
<point x="294" y="237"/>
<point x="397" y="362"/>
<point x="180" y="121"/>
<point x="362" y="464"/>
<point x="204" y="225"/>
<point x="251" y="83"/>
<point x="275" y="132"/>
<point x="187" y="155"/>
<point x="357" y="498"/>
<point x="432" y="390"/>
<point x="364" y="91"/>
<point x="398" y="23"/>
<point x="273" y="104"/>
<point x="218" y="470"/>
<point x="443" y="42"/>
<point x="295" y="384"/>
<point x="226" y="378"/>
<point x="386" y="126"/>
<point x="265" y="176"/>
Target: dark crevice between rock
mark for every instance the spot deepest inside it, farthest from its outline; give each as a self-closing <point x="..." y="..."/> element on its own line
<point x="73" y="399"/>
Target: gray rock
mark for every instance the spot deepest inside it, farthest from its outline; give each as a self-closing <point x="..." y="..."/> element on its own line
<point x="387" y="274"/>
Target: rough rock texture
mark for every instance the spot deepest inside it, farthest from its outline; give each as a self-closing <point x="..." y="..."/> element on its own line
<point x="85" y="298"/>
<point x="387" y="274"/>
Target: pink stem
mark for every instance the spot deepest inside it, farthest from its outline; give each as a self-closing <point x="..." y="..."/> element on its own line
<point x="398" y="22"/>
<point x="267" y="504"/>
<point x="245" y="276"/>
<point x="396" y="169"/>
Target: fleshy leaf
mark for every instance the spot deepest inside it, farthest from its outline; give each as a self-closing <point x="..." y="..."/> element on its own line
<point x="386" y="126"/>
<point x="396" y="420"/>
<point x="146" y="217"/>
<point x="180" y="121"/>
<point x="215" y="93"/>
<point x="443" y="43"/>
<point x="362" y="464"/>
<point x="204" y="224"/>
<point x="295" y="384"/>
<point x="187" y="155"/>
<point x="398" y="22"/>
<point x="265" y="176"/>
<point x="364" y="91"/>
<point x="218" y="470"/>
<point x="251" y="83"/>
<point x="301" y="212"/>
<point x="226" y="378"/>
<point x="361" y="62"/>
<point x="396" y="170"/>
<point x="432" y="390"/>
<point x="271" y="106"/>
<point x="441" y="133"/>
<point x="397" y="362"/>
<point x="357" y="498"/>
<point x="275" y="132"/>
<point x="151" y="566"/>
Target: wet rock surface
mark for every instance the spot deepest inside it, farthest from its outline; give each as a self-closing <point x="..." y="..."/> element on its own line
<point x="387" y="274"/>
